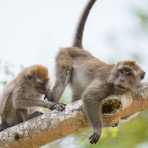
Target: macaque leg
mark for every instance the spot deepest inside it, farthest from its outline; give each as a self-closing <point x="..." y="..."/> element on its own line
<point x="3" y="126"/>
<point x="76" y="94"/>
<point x="22" y="114"/>
<point x="60" y="86"/>
<point x="63" y="75"/>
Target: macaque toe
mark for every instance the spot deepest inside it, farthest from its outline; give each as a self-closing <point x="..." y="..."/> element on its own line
<point x="58" y="107"/>
<point x="94" y="138"/>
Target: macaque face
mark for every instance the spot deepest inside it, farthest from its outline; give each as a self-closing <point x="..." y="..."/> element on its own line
<point x="41" y="85"/>
<point x="127" y="75"/>
<point x="38" y="78"/>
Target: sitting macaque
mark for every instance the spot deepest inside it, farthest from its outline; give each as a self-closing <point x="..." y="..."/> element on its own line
<point x="24" y="92"/>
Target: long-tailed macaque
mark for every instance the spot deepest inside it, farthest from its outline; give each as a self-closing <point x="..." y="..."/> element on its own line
<point x="24" y="92"/>
<point x="91" y="79"/>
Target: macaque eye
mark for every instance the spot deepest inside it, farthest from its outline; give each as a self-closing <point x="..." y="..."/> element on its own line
<point x="29" y="77"/>
<point x="127" y="71"/>
<point x="142" y="75"/>
<point x="121" y="71"/>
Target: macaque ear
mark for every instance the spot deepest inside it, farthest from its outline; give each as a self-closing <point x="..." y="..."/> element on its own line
<point x="142" y="76"/>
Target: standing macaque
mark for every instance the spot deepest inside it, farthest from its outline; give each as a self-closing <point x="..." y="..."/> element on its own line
<point x="91" y="79"/>
<point x="24" y="92"/>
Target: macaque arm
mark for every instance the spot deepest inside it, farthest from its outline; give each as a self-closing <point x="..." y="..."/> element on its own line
<point x="92" y="105"/>
<point x="92" y="109"/>
<point x="21" y="101"/>
<point x="24" y="103"/>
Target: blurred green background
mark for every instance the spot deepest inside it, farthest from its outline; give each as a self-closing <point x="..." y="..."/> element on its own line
<point x="132" y="134"/>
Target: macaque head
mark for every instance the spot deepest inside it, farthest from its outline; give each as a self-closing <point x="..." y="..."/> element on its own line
<point x="37" y="77"/>
<point x="126" y="75"/>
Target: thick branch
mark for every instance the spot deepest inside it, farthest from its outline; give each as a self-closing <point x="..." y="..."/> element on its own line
<point x="55" y="125"/>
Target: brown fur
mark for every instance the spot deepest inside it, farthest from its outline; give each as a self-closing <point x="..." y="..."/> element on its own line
<point x="22" y="93"/>
<point x="91" y="79"/>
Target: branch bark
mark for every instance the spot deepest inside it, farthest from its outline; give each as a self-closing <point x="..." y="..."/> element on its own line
<point x="54" y="125"/>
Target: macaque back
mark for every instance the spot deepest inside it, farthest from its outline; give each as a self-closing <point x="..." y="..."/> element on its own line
<point x="91" y="79"/>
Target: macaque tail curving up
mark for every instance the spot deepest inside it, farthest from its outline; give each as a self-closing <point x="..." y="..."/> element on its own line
<point x="81" y="25"/>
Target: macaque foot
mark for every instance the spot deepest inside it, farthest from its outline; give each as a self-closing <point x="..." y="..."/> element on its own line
<point x="58" y="107"/>
<point x="116" y="124"/>
<point x="94" y="138"/>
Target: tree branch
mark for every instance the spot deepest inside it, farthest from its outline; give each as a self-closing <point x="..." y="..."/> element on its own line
<point x="54" y="125"/>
